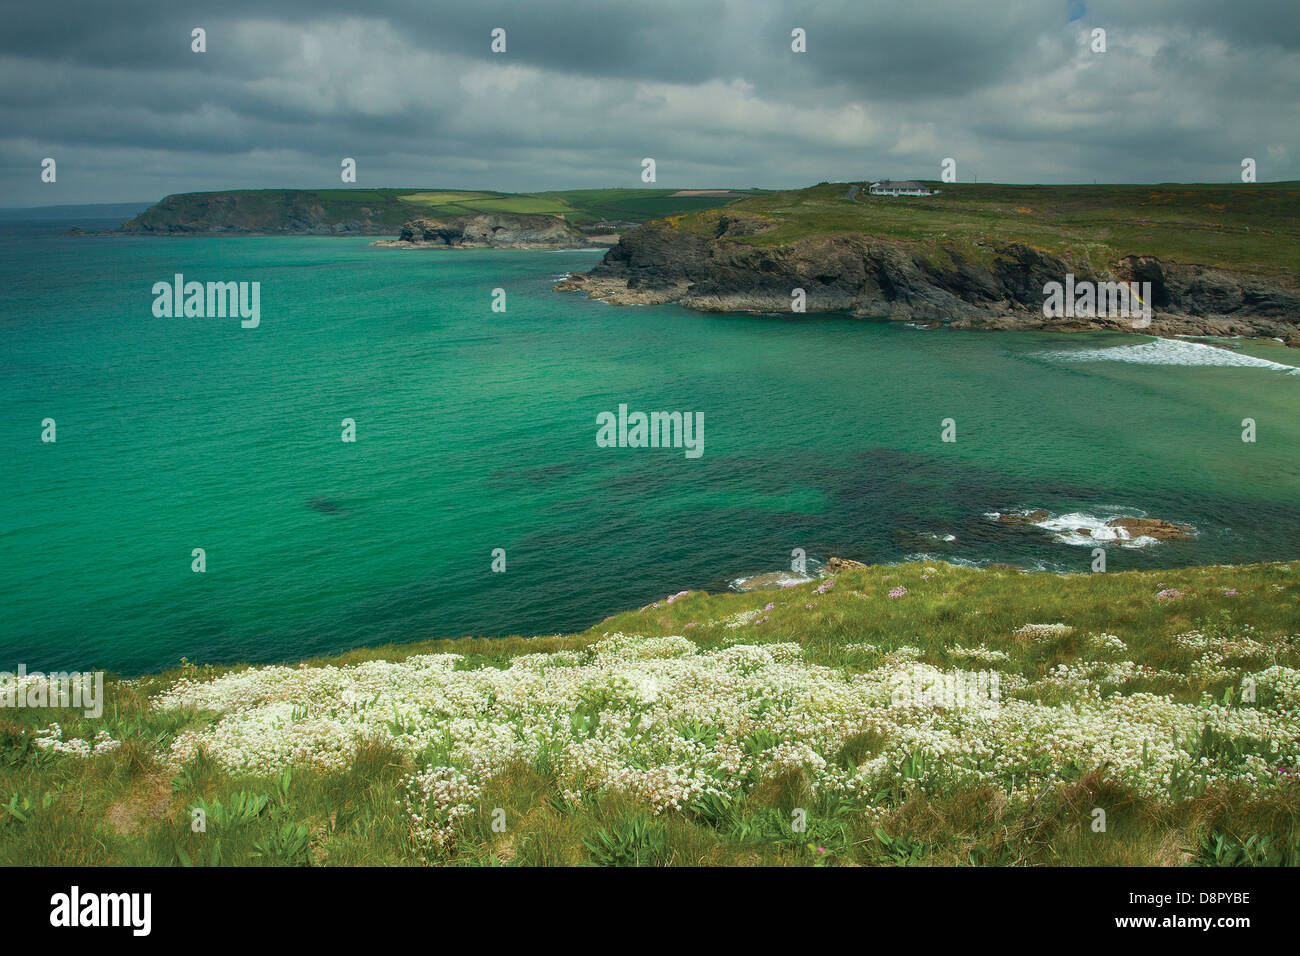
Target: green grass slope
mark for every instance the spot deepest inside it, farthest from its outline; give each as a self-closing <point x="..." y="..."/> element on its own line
<point x="730" y="729"/>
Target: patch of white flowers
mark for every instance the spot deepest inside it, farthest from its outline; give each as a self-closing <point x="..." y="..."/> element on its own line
<point x="1240" y="645"/>
<point x="861" y="648"/>
<point x="664" y="721"/>
<point x="980" y="654"/>
<point x="1106" y="643"/>
<point x="51" y="738"/>
<point x="741" y="618"/>
<point x="1042" y="632"/>
<point x="1223" y="655"/>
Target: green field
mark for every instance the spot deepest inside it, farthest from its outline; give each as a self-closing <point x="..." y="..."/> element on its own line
<point x="814" y="725"/>
<point x="579" y="206"/>
<point x="450" y="203"/>
<point x="1253" y="228"/>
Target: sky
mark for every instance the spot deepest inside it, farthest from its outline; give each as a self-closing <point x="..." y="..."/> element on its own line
<point x="1012" y="90"/>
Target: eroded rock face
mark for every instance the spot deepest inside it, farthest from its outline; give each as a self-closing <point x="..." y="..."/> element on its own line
<point x="491" y="231"/>
<point x="836" y="565"/>
<point x="657" y="263"/>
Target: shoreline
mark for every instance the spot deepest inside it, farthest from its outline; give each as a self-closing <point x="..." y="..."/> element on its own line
<point x="1163" y="325"/>
<point x="409" y="244"/>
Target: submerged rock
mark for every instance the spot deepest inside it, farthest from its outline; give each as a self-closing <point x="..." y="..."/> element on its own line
<point x="1028" y="517"/>
<point x="769" y="581"/>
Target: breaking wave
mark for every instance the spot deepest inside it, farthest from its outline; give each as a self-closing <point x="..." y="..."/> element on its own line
<point x="1170" y="352"/>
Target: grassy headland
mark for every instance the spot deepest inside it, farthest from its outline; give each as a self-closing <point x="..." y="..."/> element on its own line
<point x="1208" y="260"/>
<point x="921" y="714"/>
<point x="1251" y="228"/>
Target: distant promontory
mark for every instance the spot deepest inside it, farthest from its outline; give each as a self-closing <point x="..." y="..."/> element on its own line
<point x="445" y="217"/>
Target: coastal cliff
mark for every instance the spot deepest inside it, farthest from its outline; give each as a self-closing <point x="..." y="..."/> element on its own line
<point x="1220" y="258"/>
<point x="939" y="283"/>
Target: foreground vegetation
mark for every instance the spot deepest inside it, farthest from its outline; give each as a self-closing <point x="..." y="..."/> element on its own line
<point x="1251" y="228"/>
<point x="922" y="714"/>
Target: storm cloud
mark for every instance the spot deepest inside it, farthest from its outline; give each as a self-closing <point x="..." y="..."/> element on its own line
<point x="1013" y="91"/>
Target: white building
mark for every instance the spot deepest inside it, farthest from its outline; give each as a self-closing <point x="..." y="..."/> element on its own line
<point x="888" y="187"/>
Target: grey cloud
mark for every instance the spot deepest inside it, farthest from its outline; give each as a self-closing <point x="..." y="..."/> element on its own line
<point x="709" y="88"/>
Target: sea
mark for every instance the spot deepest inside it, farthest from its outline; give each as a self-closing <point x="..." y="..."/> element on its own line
<point x="199" y="499"/>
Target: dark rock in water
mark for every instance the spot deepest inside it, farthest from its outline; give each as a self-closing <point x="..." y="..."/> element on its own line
<point x="1153" y="528"/>
<point x="325" y="506"/>
<point x="1032" y="517"/>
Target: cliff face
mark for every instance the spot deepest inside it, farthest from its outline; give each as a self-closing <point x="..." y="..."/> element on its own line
<point x="869" y="277"/>
<point x="490" y="231"/>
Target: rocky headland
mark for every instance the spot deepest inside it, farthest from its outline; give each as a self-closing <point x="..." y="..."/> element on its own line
<point x="874" y="277"/>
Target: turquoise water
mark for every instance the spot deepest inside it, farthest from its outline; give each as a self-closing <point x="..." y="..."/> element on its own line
<point x="476" y="430"/>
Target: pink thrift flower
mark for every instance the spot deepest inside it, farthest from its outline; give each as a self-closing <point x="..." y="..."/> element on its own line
<point x="898" y="592"/>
